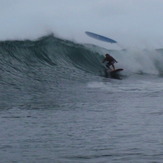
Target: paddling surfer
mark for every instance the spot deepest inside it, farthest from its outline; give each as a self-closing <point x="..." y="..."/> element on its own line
<point x="110" y="61"/>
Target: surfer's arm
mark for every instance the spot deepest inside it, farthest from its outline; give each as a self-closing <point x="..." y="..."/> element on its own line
<point x="116" y="61"/>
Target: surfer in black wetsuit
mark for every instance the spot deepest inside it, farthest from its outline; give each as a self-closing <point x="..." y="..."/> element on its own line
<point x="110" y="61"/>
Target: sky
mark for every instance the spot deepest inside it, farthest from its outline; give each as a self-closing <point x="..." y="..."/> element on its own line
<point x="133" y="23"/>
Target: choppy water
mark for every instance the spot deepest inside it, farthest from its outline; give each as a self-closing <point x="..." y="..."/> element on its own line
<point x="56" y="105"/>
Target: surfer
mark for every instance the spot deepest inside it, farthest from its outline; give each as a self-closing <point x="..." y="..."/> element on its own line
<point x="110" y="61"/>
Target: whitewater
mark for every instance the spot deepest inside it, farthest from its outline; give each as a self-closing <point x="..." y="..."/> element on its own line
<point x="57" y="105"/>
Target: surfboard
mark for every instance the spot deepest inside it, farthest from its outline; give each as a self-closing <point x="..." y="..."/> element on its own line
<point x="100" y="37"/>
<point x="116" y="70"/>
<point x="115" y="73"/>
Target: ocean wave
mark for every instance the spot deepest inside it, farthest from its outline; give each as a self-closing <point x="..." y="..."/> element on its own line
<point x="46" y="59"/>
<point x="50" y="55"/>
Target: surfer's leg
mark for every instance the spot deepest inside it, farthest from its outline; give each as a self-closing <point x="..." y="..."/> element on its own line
<point x="113" y="66"/>
<point x="108" y="66"/>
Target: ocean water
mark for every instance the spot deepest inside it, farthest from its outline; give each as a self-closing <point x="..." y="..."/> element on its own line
<point x="57" y="105"/>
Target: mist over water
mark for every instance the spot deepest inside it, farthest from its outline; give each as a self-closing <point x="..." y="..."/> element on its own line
<point x="141" y="61"/>
<point x="132" y="23"/>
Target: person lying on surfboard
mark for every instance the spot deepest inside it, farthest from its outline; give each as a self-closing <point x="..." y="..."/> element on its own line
<point x="110" y="61"/>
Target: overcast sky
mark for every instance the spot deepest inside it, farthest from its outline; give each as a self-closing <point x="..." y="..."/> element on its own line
<point x="130" y="22"/>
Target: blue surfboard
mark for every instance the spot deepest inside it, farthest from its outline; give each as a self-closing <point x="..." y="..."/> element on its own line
<point x="100" y="37"/>
<point x="116" y="70"/>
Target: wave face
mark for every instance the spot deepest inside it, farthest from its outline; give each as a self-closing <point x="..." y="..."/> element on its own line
<point x="49" y="55"/>
<point x="29" y="66"/>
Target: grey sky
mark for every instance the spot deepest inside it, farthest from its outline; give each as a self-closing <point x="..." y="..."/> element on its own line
<point x="130" y="22"/>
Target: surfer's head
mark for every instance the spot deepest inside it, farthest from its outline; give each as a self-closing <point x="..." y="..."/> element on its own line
<point x="107" y="55"/>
